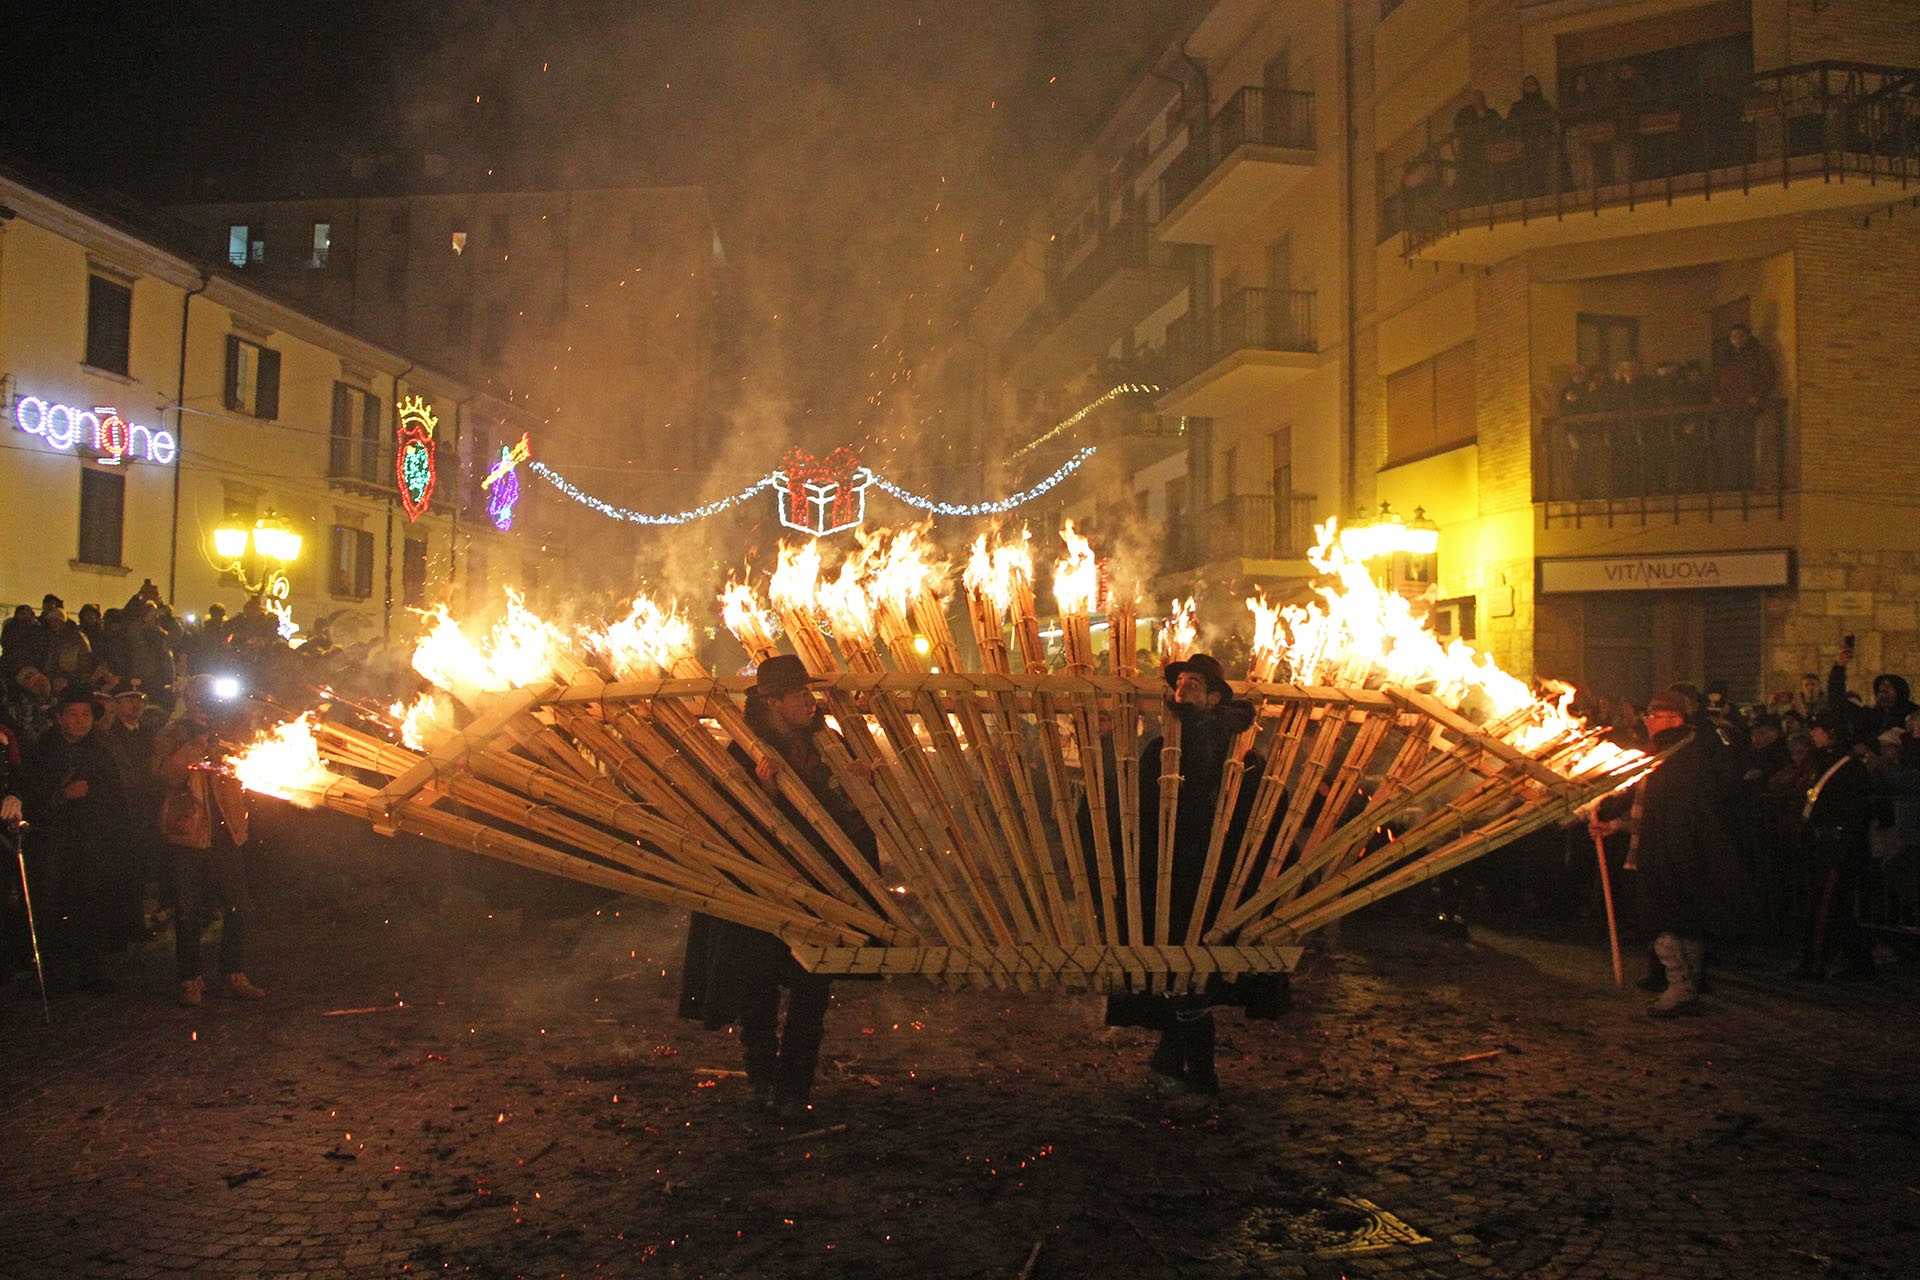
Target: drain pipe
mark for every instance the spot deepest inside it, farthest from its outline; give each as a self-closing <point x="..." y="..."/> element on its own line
<point x="386" y="568"/>
<point x="180" y="437"/>
<point x="1351" y="444"/>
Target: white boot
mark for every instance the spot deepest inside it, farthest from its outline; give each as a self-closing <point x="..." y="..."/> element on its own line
<point x="1681" y="995"/>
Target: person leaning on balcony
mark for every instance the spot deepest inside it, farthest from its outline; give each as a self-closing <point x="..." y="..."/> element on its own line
<point x="1475" y="128"/>
<point x="1743" y="378"/>
<point x="1534" y="120"/>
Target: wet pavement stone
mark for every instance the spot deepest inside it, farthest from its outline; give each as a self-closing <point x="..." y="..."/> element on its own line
<point x="453" y="1090"/>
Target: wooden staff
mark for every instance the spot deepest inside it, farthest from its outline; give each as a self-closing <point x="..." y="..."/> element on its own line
<point x="1613" y="928"/>
<point x="1053" y="756"/>
<point x="1282" y="751"/>
<point x="1225" y="801"/>
<point x="1077" y="631"/>
<point x="1169" y="812"/>
<point x="1126" y="745"/>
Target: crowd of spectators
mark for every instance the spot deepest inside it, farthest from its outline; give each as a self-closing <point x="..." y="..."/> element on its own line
<point x="1771" y="760"/>
<point x="90" y="707"/>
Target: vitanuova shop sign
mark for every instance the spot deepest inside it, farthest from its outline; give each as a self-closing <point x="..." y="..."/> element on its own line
<point x="1684" y="572"/>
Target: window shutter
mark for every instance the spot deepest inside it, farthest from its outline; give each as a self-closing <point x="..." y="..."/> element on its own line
<point x="266" y="394"/>
<point x="1453" y="409"/>
<point x="340" y="442"/>
<point x="370" y="438"/>
<point x="109" y="324"/>
<point x="363" y="565"/>
<point x="232" y="395"/>
<point x="1410" y="411"/>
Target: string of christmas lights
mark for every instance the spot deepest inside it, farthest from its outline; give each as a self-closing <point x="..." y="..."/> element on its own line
<point x="1066" y="469"/>
<point x="640" y="517"/>
<point x="1124" y="389"/>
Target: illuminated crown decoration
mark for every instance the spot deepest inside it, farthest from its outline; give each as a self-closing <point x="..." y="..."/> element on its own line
<point x="413" y="466"/>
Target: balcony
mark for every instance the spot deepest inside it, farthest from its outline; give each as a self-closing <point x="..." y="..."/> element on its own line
<point x="1254" y="344"/>
<point x="1094" y="295"/>
<point x="1252" y="153"/>
<point x="1246" y="527"/>
<point x="359" y="466"/>
<point x="1827" y="135"/>
<point x="1634" y="465"/>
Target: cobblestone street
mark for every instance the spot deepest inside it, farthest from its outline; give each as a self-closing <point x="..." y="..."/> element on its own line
<point x="465" y="1093"/>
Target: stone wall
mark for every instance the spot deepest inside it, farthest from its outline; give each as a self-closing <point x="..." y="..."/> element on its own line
<point x="1872" y="595"/>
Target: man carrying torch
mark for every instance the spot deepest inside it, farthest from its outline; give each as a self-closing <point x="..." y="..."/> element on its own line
<point x="733" y="974"/>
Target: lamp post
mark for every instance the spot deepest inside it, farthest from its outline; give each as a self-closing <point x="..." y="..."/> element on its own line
<point x="272" y="544"/>
<point x="1400" y="554"/>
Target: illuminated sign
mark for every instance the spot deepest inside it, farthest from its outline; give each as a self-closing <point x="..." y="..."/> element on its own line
<point x="822" y="495"/>
<point x="413" y="467"/>
<point x="502" y="484"/>
<point x="99" y="430"/>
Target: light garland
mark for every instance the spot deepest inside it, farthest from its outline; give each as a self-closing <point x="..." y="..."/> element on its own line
<point x="713" y="508"/>
<point x="1066" y="469"/>
<point x="1124" y="389"/>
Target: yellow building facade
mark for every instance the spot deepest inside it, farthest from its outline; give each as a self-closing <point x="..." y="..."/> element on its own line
<point x="1383" y="299"/>
<point x="152" y="398"/>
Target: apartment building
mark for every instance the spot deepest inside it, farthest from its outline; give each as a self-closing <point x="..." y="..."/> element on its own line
<point x="596" y="310"/>
<point x="1398" y="321"/>
<point x="153" y="398"/>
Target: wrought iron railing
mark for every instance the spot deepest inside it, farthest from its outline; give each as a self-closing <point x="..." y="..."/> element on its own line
<point x="1254" y="114"/>
<point x="1818" y="121"/>
<point x="1131" y="243"/>
<point x="1247" y="319"/>
<point x="1261" y="526"/>
<point x="1662" y="458"/>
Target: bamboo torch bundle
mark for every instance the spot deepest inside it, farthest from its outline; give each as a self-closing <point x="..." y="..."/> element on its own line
<point x="645" y="782"/>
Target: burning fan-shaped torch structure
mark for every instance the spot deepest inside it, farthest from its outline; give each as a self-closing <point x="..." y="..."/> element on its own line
<point x="616" y="759"/>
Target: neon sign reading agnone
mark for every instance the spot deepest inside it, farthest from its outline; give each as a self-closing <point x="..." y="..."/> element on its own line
<point x="101" y="428"/>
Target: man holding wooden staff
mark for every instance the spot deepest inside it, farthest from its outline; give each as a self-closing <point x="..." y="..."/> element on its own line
<point x="733" y="974"/>
<point x="1211" y="722"/>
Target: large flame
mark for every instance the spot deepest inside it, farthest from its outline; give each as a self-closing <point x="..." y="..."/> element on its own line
<point x="1076" y="579"/>
<point x="1266" y="645"/>
<point x="796" y="577"/>
<point x="844" y="601"/>
<point x="285" y="762"/>
<point x="429" y="722"/>
<point x="901" y="565"/>
<point x="647" y="642"/>
<point x="740" y="611"/>
<point x="521" y="648"/>
<point x="991" y="571"/>
<point x="1179" y="632"/>
<point x="1361" y="634"/>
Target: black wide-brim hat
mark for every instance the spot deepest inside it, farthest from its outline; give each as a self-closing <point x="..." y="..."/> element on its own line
<point x="1204" y="665"/>
<point x="780" y="675"/>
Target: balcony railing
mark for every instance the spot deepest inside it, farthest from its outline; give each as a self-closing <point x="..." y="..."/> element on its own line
<point x="1818" y="121"/>
<point x="1248" y="319"/>
<point x="1254" y="114"/>
<point x="357" y="462"/>
<point x="1129" y="244"/>
<point x="1257" y="526"/>
<point x="1654" y="460"/>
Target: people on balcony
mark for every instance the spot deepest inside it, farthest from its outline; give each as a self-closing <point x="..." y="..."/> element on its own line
<point x="1476" y="128"/>
<point x="1536" y="125"/>
<point x="1743" y="378"/>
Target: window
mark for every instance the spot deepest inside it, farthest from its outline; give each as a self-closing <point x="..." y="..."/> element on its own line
<point x="237" y="242"/>
<point x="109" y="323"/>
<point x="322" y="243"/>
<point x="459" y="241"/>
<point x="1430" y="406"/>
<point x="413" y="571"/>
<point x="493" y="340"/>
<point x="350" y="569"/>
<point x="1601" y="342"/>
<point x="103" y="504"/>
<point x="353" y="449"/>
<point x="253" y="378"/>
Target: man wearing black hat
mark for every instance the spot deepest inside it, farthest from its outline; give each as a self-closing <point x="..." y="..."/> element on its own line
<point x="73" y="797"/>
<point x="733" y="973"/>
<point x="1211" y="721"/>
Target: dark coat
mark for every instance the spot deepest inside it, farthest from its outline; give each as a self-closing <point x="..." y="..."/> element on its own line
<point x="726" y="962"/>
<point x="1206" y="744"/>
<point x="1689" y="878"/>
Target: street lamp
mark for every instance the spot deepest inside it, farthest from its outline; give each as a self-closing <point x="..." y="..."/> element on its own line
<point x="270" y="539"/>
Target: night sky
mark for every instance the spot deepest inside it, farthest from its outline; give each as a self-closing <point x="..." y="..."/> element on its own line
<point x="866" y="161"/>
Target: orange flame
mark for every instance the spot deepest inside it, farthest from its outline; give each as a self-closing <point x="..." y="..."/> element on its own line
<point x="1179" y="632"/>
<point x="1266" y="640"/>
<point x="900" y="566"/>
<point x="844" y="601"/>
<point x="647" y="642"/>
<point x="991" y="572"/>
<point x="429" y="722"/>
<point x="1076" y="579"/>
<point x="521" y="648"/>
<point x="796" y="578"/>
<point x="285" y="762"/>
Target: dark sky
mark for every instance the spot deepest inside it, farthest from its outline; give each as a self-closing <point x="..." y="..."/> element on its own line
<point x="866" y="160"/>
